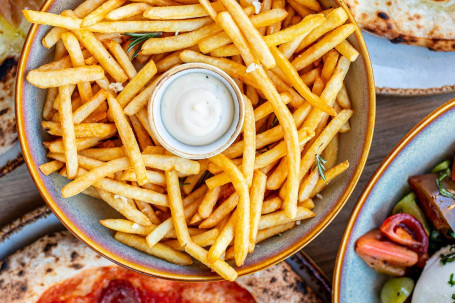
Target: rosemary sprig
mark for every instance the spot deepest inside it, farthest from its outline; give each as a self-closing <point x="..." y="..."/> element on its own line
<point x="139" y="39"/>
<point x="274" y="122"/>
<point x="206" y="175"/>
<point x="182" y="183"/>
<point x="444" y="192"/>
<point x="451" y="282"/>
<point x="320" y="165"/>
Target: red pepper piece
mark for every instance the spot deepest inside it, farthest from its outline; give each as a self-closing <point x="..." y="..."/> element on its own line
<point x="406" y="230"/>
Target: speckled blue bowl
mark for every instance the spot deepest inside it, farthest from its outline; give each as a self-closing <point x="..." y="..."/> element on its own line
<point x="81" y="214"/>
<point x="431" y="141"/>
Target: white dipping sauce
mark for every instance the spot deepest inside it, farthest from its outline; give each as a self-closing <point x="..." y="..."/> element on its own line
<point x="197" y="108"/>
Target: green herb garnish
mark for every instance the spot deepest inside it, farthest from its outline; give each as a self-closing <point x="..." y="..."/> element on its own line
<point x="139" y="39"/>
<point x="453" y="297"/>
<point x="449" y="257"/>
<point x="444" y="192"/>
<point x="181" y="183"/>
<point x="320" y="165"/>
<point x="451" y="281"/>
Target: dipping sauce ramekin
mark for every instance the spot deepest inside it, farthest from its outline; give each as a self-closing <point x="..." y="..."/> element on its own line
<point x="183" y="106"/>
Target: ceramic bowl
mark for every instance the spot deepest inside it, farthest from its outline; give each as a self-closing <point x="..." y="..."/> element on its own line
<point x="431" y="141"/>
<point x="81" y="214"/>
<point x="191" y="151"/>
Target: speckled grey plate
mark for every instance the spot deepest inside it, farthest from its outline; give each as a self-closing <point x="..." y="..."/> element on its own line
<point x="81" y="214"/>
<point x="42" y="221"/>
<point x="431" y="141"/>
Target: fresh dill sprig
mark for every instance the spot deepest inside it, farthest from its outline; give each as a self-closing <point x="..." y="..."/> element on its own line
<point x="444" y="192"/>
<point x="139" y="39"/>
<point x="449" y="257"/>
<point x="182" y="183"/>
<point x="320" y="166"/>
<point x="451" y="282"/>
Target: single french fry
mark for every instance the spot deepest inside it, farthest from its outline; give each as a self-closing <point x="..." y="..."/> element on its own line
<point x="126" y="11"/>
<point x="223" y="240"/>
<point x="127" y="226"/>
<point x="176" y="206"/>
<point x="89" y="107"/>
<point x="251" y="33"/>
<point x="311" y="4"/>
<point x="132" y="192"/>
<point x="99" y="13"/>
<point x="249" y="142"/>
<point x="81" y="144"/>
<point x="271" y="205"/>
<point x="51" y="19"/>
<point x="279" y="217"/>
<point x="308" y="185"/>
<point x="153" y="177"/>
<point x="92" y="192"/>
<point x="174" y="43"/>
<point x="135" y="85"/>
<point x="209" y="201"/>
<point x="167" y="162"/>
<point x="330" y="153"/>
<point x="149" y="26"/>
<point x="122" y="58"/>
<point x="158" y="2"/>
<point x="220" y="212"/>
<point x="257" y="192"/>
<point x="195" y="195"/>
<point x="159" y="250"/>
<point x="209" y="8"/>
<point x="276" y="27"/>
<point x="329" y="176"/>
<point x="347" y="50"/>
<point x="343" y="98"/>
<point x="82" y="130"/>
<point x="243" y="206"/>
<point x="129" y="212"/>
<point x="63" y="77"/>
<point x="301" y="11"/>
<point x="266" y="233"/>
<point x="49" y="102"/>
<point x="68" y="132"/>
<point x="309" y="77"/>
<point x="128" y="139"/>
<point x="191" y="181"/>
<point x="279" y="175"/>
<point x="104" y="154"/>
<point x="329" y="65"/>
<point x="77" y="59"/>
<point x="180" y="12"/>
<point x="221" y="267"/>
<point x="50" y="167"/>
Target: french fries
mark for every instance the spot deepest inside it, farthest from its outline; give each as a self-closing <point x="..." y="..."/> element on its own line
<point x="289" y="59"/>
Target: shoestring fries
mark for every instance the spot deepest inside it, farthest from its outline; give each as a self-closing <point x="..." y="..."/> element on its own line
<point x="290" y="59"/>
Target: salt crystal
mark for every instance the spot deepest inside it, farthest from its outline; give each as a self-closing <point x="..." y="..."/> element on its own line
<point x="135" y="226"/>
<point x="121" y="198"/>
<point x="116" y="86"/>
<point x="252" y="67"/>
<point x="257" y="6"/>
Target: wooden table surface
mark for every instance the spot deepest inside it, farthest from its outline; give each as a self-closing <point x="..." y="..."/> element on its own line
<point x="395" y="116"/>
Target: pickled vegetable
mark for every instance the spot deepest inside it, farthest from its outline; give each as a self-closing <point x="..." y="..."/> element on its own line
<point x="397" y="290"/>
<point x="409" y="205"/>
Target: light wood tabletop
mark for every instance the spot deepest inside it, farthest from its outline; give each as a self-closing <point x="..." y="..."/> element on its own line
<point x="395" y="116"/>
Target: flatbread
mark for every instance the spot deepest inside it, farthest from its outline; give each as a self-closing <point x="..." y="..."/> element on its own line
<point x="428" y="23"/>
<point x="8" y="135"/>
<point x="28" y="273"/>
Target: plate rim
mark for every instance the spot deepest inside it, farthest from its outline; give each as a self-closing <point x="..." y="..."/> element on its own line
<point x="415" y="131"/>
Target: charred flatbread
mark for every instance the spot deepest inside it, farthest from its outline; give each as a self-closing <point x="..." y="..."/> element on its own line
<point x="428" y="23"/>
<point x="60" y="258"/>
<point x="13" y="29"/>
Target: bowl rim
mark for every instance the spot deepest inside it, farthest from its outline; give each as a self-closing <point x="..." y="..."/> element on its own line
<point x="303" y="241"/>
<point x="408" y="138"/>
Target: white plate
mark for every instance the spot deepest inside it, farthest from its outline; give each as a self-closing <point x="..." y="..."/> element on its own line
<point x="401" y="69"/>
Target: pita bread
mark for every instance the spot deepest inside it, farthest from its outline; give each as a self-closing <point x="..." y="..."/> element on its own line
<point x="428" y="23"/>
<point x="8" y="135"/>
<point x="29" y="272"/>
